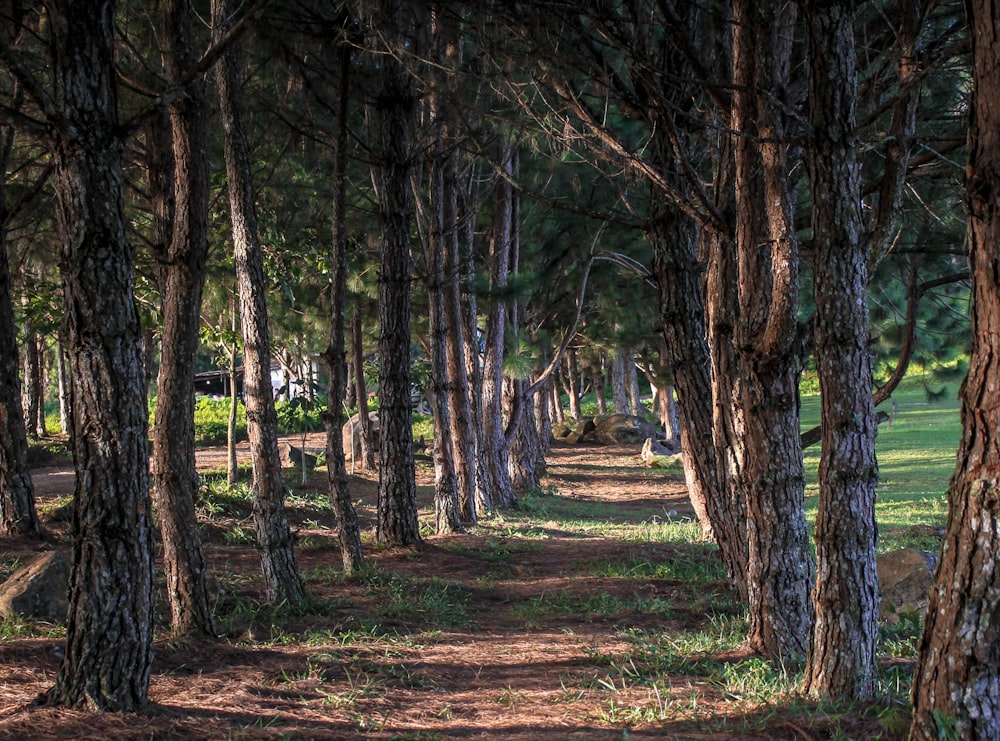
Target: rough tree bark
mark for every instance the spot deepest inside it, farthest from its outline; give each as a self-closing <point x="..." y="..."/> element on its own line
<point x="956" y="688"/>
<point x="108" y="652"/>
<point x="397" y="109"/>
<point x="367" y="452"/>
<point x="181" y="260"/>
<point x="17" y="495"/>
<point x="348" y="530"/>
<point x="771" y="478"/>
<point x="274" y="535"/>
<point x="495" y="447"/>
<point x="845" y="597"/>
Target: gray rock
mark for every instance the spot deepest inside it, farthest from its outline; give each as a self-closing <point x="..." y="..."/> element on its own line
<point x="352" y="435"/>
<point x="38" y="589"/>
<point x="292" y="457"/>
<point x="905" y="578"/>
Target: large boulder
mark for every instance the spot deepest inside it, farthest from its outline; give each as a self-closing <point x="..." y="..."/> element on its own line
<point x="292" y="457"/>
<point x="622" y="429"/>
<point x="38" y="589"/>
<point x="905" y="578"/>
<point x="580" y="430"/>
<point x="352" y="434"/>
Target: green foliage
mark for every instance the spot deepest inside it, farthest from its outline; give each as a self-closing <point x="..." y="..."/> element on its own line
<point x="300" y="414"/>
<point x="211" y="421"/>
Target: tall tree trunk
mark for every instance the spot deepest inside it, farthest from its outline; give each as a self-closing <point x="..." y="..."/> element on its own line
<point x="956" y="688"/>
<point x="772" y="479"/>
<point x="682" y="306"/>
<point x="232" y="463"/>
<point x="543" y="419"/>
<point x="367" y="452"/>
<point x="495" y="444"/>
<point x="397" y="494"/>
<point x="109" y="631"/>
<point x="842" y="661"/>
<point x="484" y="501"/>
<point x="181" y="265"/>
<point x="348" y="530"/>
<point x="573" y="384"/>
<point x="33" y="401"/>
<point x="441" y="227"/>
<point x="17" y="495"/>
<point x="619" y="381"/>
<point x="62" y="371"/>
<point x="555" y="402"/>
<point x="597" y="379"/>
<point x="274" y="535"/>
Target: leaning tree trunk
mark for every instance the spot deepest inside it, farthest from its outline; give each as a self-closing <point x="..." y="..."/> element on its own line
<point x="181" y="264"/>
<point x="17" y="495"/>
<point x="842" y="661"/>
<point x="274" y="535"/>
<point x="397" y="493"/>
<point x="956" y="688"/>
<point x="682" y="306"/>
<point x="107" y="658"/>
<point x="348" y="530"/>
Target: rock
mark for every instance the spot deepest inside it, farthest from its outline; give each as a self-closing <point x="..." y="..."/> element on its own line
<point x="580" y="430"/>
<point x="352" y="434"/>
<point x="291" y="457"/>
<point x="905" y="578"/>
<point x="652" y="449"/>
<point x="622" y="429"/>
<point x="38" y="589"/>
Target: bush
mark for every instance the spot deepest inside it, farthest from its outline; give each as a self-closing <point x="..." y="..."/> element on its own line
<point x="211" y="421"/>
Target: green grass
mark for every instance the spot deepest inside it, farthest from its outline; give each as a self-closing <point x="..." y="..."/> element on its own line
<point x="916" y="458"/>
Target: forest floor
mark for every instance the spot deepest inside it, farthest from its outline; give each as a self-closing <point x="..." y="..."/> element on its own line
<point x="591" y="612"/>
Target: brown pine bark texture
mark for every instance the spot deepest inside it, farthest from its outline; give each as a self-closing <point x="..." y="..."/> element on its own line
<point x="956" y="689"/>
<point x="108" y="653"/>
<point x="274" y="536"/>
<point x="842" y="661"/>
<point x="397" y="492"/>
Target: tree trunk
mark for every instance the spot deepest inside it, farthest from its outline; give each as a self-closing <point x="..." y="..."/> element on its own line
<point x="232" y="463"/>
<point x="34" y="400"/>
<point x="107" y="657"/>
<point x="619" y="381"/>
<point x="683" y="313"/>
<point x="348" y="530"/>
<point x="573" y="385"/>
<point x="771" y="478"/>
<point x="842" y="660"/>
<point x="597" y="379"/>
<point x="441" y="227"/>
<point x="274" y="535"/>
<point x="956" y="688"/>
<point x="496" y="449"/>
<point x="543" y="420"/>
<point x="397" y="494"/>
<point x="17" y="495"/>
<point x="62" y="370"/>
<point x="181" y="265"/>
<point x="555" y="402"/>
<point x="367" y="452"/>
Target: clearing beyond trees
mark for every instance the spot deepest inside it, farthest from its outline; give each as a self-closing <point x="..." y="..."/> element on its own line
<point x="592" y="611"/>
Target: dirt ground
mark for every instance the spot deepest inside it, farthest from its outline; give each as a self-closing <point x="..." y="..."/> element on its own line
<point x="496" y="671"/>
